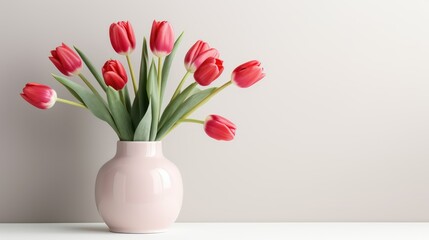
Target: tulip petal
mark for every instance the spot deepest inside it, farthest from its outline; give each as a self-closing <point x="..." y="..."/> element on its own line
<point x="114" y="80"/>
<point x="69" y="60"/>
<point x="212" y="52"/>
<point x="209" y="71"/>
<point x="120" y="70"/>
<point x="68" y="49"/>
<point x="114" y="74"/>
<point x="54" y="54"/>
<point x="161" y="39"/>
<point x="59" y="66"/>
<point x="206" y="74"/>
<point x="66" y="60"/>
<point x="247" y="74"/>
<point x="130" y="33"/>
<point x="153" y="35"/>
<point x="193" y="53"/>
<point x="39" y="95"/>
<point x="223" y="120"/>
<point x="75" y="58"/>
<point x="219" y="128"/>
<point x="119" y="38"/>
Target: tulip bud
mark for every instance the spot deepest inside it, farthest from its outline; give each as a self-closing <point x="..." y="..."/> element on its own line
<point x="66" y="60"/>
<point x="161" y="38"/>
<point x="39" y="95"/>
<point x="209" y="71"/>
<point x="122" y="37"/>
<point x="114" y="74"/>
<point x="219" y="128"/>
<point x="197" y="54"/>
<point x="247" y="74"/>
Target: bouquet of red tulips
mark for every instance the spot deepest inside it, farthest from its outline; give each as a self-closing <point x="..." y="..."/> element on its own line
<point x="143" y="119"/>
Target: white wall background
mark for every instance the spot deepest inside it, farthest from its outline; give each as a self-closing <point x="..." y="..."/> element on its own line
<point x="337" y="131"/>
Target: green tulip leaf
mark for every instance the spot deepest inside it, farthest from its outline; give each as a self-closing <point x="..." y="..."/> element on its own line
<point x="167" y="65"/>
<point x="135" y="110"/>
<point x="143" y="96"/>
<point x="127" y="99"/>
<point x="193" y="91"/>
<point x="141" y="100"/>
<point x="91" y="68"/>
<point x="74" y="94"/>
<point x="175" y="103"/>
<point x="144" y="127"/>
<point x="182" y="110"/>
<point x="120" y="115"/>
<point x="153" y="92"/>
<point x="94" y="104"/>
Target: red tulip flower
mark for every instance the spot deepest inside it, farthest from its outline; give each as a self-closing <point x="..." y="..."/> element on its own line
<point x="247" y="74"/>
<point x="122" y="37"/>
<point x="209" y="71"/>
<point x="161" y="38"/>
<point x="114" y="74"/>
<point x="197" y="54"/>
<point x="39" y="95"/>
<point x="66" y="60"/>
<point x="219" y="128"/>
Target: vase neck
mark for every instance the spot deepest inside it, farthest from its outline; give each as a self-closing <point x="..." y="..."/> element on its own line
<point x="147" y="149"/>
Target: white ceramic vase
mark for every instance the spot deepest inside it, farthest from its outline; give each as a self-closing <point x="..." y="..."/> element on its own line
<point x="139" y="190"/>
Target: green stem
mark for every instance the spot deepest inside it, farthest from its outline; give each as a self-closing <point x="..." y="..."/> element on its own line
<point x="70" y="102"/>
<point x="159" y="74"/>
<point x="159" y="86"/>
<point x="132" y="73"/>
<point x="179" y="87"/>
<point x="91" y="87"/>
<point x="205" y="100"/>
<point x="190" y="120"/>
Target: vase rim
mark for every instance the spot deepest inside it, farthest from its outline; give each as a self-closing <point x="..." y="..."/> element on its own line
<point x="147" y="148"/>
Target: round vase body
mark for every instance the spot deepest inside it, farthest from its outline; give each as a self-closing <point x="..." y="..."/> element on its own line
<point x="139" y="190"/>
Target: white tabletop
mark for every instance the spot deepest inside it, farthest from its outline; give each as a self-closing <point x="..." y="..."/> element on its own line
<point x="222" y="231"/>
